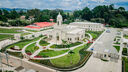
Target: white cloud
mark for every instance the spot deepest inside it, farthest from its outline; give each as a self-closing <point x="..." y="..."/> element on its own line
<point x="53" y="4"/>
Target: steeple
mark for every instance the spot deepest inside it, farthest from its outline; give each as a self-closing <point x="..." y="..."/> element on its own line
<point x="59" y="19"/>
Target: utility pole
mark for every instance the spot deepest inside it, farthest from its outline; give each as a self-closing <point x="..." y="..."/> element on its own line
<point x="7" y="58"/>
<point x="1" y="62"/>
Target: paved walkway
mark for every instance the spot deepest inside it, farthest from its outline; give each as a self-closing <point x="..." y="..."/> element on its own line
<point x="97" y="65"/>
<point x="48" y="47"/>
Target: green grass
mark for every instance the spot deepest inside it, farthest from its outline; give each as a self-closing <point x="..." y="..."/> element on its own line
<point x="95" y="34"/>
<point x="126" y="36"/>
<point x="117" y="43"/>
<point x="117" y="48"/>
<point x="21" y="44"/>
<point x="32" y="48"/>
<point x="65" y="61"/>
<point x="43" y="43"/>
<point x="65" y="46"/>
<point x="124" y="52"/>
<point x="23" y="34"/>
<point x="51" y="53"/>
<point x="104" y="60"/>
<point x="126" y="63"/>
<point x="2" y="37"/>
<point x="32" y="30"/>
<point x="13" y="30"/>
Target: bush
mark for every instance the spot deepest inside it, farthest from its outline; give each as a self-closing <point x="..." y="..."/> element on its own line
<point x="65" y="46"/>
<point x="124" y="52"/>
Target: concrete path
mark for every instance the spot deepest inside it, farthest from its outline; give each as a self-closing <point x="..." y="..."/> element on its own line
<point x="97" y="65"/>
<point x="90" y="36"/>
<point x="105" y="41"/>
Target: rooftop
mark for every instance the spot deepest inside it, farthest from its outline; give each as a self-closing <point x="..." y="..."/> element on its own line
<point x="84" y="23"/>
<point x="39" y="25"/>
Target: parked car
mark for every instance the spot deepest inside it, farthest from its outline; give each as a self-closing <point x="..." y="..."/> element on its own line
<point x="108" y="31"/>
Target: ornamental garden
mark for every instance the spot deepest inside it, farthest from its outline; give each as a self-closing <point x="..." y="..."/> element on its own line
<point x="65" y="56"/>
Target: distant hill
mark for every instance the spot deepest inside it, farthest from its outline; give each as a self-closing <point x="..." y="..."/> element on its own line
<point x="18" y="9"/>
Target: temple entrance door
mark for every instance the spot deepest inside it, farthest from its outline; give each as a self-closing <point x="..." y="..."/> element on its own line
<point x="57" y="38"/>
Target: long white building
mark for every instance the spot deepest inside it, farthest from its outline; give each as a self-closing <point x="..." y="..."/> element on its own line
<point x="89" y="26"/>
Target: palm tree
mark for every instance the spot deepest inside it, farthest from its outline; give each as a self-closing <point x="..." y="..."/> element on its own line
<point x="71" y="52"/>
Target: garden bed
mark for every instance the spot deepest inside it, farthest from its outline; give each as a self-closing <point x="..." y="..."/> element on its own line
<point x="125" y="64"/>
<point x="31" y="48"/>
<point x="65" y="46"/>
<point x="51" y="53"/>
<point x="3" y="37"/>
<point x="13" y="30"/>
<point x="125" y="52"/>
<point x="95" y="34"/>
<point x="79" y="58"/>
<point x="117" y="48"/>
<point x="43" y="43"/>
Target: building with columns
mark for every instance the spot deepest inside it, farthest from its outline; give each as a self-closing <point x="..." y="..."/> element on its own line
<point x="65" y="32"/>
<point x="89" y="26"/>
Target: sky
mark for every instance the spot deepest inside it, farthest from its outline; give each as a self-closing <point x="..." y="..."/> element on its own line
<point x="60" y="4"/>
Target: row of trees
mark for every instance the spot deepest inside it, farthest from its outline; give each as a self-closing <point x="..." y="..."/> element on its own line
<point x="102" y="14"/>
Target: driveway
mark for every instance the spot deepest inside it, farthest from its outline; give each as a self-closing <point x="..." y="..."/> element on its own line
<point x="97" y="65"/>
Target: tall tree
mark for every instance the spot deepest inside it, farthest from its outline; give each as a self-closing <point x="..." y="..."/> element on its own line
<point x="86" y="13"/>
<point x="0" y="12"/>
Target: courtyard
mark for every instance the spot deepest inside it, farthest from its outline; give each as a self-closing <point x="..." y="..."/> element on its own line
<point x="62" y="56"/>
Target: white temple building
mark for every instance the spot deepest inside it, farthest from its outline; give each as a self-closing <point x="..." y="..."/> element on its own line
<point x="64" y="32"/>
<point x="89" y="26"/>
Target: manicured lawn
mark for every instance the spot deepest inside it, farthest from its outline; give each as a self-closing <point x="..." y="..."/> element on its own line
<point x="32" y="30"/>
<point x="124" y="52"/>
<point x="2" y="37"/>
<point x="51" y="53"/>
<point x="43" y="43"/>
<point x="66" y="60"/>
<point x="13" y="30"/>
<point x="126" y="63"/>
<point x="95" y="34"/>
<point x="117" y="48"/>
<point x="32" y="48"/>
<point x="23" y="34"/>
<point x="21" y="44"/>
<point x="66" y="46"/>
<point x="117" y="43"/>
<point x="126" y="36"/>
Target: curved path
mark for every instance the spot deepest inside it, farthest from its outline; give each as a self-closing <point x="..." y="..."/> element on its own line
<point x="48" y="47"/>
<point x="90" y="36"/>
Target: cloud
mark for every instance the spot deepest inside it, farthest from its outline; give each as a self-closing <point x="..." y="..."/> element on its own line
<point x="62" y="4"/>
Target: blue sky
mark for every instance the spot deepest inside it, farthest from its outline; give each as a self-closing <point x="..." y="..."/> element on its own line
<point x="62" y="4"/>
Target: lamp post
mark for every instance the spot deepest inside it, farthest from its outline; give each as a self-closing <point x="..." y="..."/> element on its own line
<point x="7" y="58"/>
<point x="1" y="62"/>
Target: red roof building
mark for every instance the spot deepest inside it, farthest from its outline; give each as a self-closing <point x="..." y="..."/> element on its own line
<point x="40" y="25"/>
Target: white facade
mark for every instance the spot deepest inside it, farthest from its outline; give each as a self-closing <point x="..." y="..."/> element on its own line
<point x="89" y="26"/>
<point x="67" y="33"/>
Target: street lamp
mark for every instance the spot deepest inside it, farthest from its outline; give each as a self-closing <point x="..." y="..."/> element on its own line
<point x="7" y="58"/>
<point x="1" y="62"/>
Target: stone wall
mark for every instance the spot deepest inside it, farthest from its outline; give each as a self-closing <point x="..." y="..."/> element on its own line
<point x="14" y="61"/>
